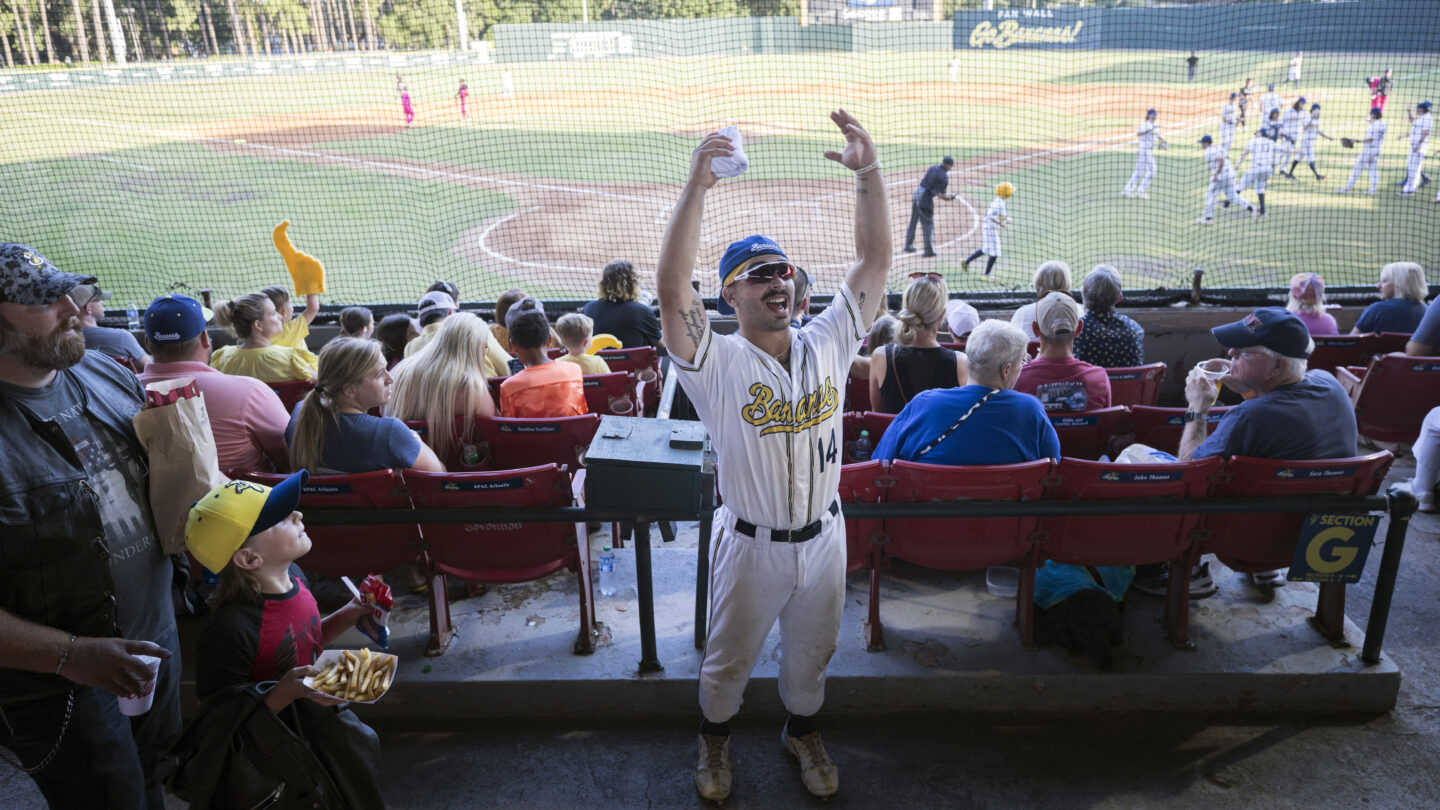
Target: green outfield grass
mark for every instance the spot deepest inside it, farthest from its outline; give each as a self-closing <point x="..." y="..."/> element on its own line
<point x="110" y="179"/>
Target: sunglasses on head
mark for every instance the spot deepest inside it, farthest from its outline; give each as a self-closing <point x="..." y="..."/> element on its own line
<point x="765" y="273"/>
<point x="930" y="274"/>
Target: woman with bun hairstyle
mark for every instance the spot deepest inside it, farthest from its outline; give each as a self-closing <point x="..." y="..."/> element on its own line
<point x="254" y="320"/>
<point x="916" y="362"/>
<point x="445" y="380"/>
<point x="332" y="431"/>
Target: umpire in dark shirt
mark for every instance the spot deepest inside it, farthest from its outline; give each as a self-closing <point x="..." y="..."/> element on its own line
<point x="922" y="204"/>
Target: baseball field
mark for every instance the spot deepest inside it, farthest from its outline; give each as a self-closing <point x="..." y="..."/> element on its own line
<point x="162" y="177"/>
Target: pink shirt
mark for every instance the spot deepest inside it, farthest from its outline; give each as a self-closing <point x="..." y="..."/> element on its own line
<point x="1319" y="323"/>
<point x="245" y="415"/>
<point x="1065" y="385"/>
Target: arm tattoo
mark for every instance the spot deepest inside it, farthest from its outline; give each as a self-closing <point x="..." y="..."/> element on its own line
<point x="695" y="322"/>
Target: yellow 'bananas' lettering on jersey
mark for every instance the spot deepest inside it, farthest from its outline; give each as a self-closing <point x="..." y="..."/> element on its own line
<point x="773" y="415"/>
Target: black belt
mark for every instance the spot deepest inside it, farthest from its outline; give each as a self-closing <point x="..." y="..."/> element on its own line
<point x="799" y="535"/>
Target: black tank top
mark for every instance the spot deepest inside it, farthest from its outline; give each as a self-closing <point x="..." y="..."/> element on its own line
<point x="910" y="370"/>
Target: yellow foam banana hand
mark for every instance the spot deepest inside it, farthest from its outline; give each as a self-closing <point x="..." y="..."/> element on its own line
<point x="305" y="270"/>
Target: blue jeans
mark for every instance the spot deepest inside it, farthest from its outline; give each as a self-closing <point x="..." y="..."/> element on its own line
<point x="105" y="760"/>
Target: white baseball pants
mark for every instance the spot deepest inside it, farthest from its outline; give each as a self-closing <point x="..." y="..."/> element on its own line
<point x="1144" y="171"/>
<point x="753" y="582"/>
<point x="990" y="240"/>
<point x="1412" y="177"/>
<point x="1227" y="136"/>
<point x="1254" y="176"/>
<point x="1427" y="454"/>
<point x="1307" y="151"/>
<point x="1367" y="160"/>
<point x="1223" y="186"/>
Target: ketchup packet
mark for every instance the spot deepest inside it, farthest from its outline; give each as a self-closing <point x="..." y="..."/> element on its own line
<point x="375" y="594"/>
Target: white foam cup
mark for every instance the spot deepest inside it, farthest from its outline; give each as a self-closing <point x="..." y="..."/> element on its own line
<point x="130" y="707"/>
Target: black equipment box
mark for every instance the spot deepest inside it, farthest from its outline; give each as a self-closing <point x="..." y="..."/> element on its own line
<point x="658" y="468"/>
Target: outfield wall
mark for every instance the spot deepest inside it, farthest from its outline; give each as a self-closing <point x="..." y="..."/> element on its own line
<point x="1367" y="25"/>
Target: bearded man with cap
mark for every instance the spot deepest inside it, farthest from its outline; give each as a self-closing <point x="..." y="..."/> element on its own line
<point x="770" y="397"/>
<point x="246" y="416"/>
<point x="116" y="343"/>
<point x="84" y="584"/>
<point x="1062" y="382"/>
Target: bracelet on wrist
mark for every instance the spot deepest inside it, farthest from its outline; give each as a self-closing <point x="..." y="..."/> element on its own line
<point x="65" y="656"/>
<point x="864" y="169"/>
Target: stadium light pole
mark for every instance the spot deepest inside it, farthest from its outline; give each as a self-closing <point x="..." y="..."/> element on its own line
<point x="117" y="34"/>
<point x="585" y="11"/>
<point x="463" y="25"/>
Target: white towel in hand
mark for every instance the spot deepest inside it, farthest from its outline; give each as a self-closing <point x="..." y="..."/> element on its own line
<point x="735" y="164"/>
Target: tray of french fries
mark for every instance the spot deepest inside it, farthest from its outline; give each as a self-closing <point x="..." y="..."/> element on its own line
<point x="358" y="676"/>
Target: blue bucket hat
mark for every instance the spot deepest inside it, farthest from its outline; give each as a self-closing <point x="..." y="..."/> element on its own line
<point x="739" y="256"/>
<point x="1275" y="328"/>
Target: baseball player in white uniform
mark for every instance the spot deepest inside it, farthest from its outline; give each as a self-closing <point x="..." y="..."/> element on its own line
<point x="1295" y="69"/>
<point x="1227" y="124"/>
<point x="1222" y="182"/>
<point x="770" y="397"/>
<point x="1420" y="128"/>
<point x="1269" y="101"/>
<point x="1369" y="157"/>
<point x="1149" y="133"/>
<point x="1309" y="133"/>
<point x="1291" y="122"/>
<point x="1261" y="151"/>
<point x="996" y="221"/>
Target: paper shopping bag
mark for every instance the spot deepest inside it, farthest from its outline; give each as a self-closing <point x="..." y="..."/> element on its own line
<point x="174" y="429"/>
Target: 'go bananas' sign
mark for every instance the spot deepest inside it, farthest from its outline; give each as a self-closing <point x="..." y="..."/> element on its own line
<point x="1011" y="32"/>
<point x="1035" y="28"/>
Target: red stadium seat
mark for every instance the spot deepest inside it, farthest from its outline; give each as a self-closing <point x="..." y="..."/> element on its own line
<point x="1130" y="539"/>
<point x="857" y="394"/>
<point x="853" y="423"/>
<point x="644" y="363"/>
<point x="1393" y="396"/>
<point x="292" y="392"/>
<point x="1265" y="542"/>
<point x="1086" y="434"/>
<point x="612" y="393"/>
<point x="472" y="456"/>
<point x="358" y="549"/>
<point x="1161" y="428"/>
<point x="963" y="544"/>
<point x="1388" y="342"/>
<point x="1340" y="350"/>
<point x="1136" y="385"/>
<point x="860" y="483"/>
<point x="515" y="443"/>
<point x="505" y="552"/>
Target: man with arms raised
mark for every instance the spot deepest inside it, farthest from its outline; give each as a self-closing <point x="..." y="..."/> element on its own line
<point x="770" y="396"/>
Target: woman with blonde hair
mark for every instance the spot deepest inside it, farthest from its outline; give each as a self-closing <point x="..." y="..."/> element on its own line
<point x="1307" y="301"/>
<point x="1051" y="276"/>
<point x="332" y="431"/>
<point x="254" y="320"/>
<point x="1403" y="291"/>
<point x="917" y="362"/>
<point x="445" y="380"/>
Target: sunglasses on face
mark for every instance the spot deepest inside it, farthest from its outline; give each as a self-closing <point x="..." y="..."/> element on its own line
<point x="931" y="274"/>
<point x="765" y="273"/>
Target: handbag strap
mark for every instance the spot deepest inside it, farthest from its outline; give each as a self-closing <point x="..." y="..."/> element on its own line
<point x="943" y="436"/>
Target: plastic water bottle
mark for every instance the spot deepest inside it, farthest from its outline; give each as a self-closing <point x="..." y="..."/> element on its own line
<point x="608" y="584"/>
<point x="863" y="447"/>
<point x="133" y="316"/>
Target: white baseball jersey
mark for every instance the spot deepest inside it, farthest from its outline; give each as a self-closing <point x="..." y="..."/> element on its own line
<point x="1419" y="128"/>
<point x="777" y="434"/>
<point x="1375" y="135"/>
<point x="1270" y="101"/>
<point x="1147" y="132"/>
<point x="1310" y="129"/>
<point x="1227" y="114"/>
<point x="1290" y="123"/>
<point x="1262" y="154"/>
<point x="1213" y="155"/>
<point x="1295" y="67"/>
<point x="994" y="212"/>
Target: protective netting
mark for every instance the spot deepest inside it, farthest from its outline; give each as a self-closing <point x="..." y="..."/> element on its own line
<point x="523" y="147"/>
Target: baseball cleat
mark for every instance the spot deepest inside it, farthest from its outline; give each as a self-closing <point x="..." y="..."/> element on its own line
<point x="1142" y="195"/>
<point x="1255" y="213"/>
<point x="1204" y="221"/>
<point x="929" y="254"/>
<point x="1319" y="178"/>
<point x="817" y="771"/>
<point x="907" y="249"/>
<point x="965" y="265"/>
<point x="712" y="773"/>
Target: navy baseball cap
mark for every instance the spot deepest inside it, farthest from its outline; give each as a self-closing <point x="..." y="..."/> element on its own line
<point x="1424" y="105"/>
<point x="948" y="161"/>
<point x="1272" y="87"/>
<point x="28" y="278"/>
<point x="175" y="319"/>
<point x="1233" y="95"/>
<point x="1206" y="139"/>
<point x="1150" y="111"/>
<point x="740" y="254"/>
<point x="1314" y="106"/>
<point x="1300" y="100"/>
<point x="1275" y="328"/>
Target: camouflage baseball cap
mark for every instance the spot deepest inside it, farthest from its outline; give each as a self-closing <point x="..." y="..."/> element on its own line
<point x="26" y="277"/>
